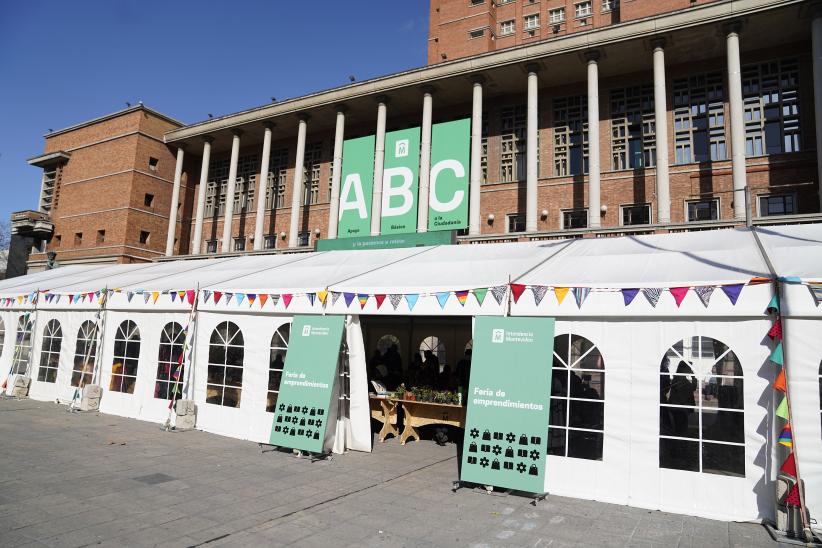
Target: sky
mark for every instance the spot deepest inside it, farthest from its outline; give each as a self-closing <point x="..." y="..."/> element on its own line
<point x="63" y="63"/>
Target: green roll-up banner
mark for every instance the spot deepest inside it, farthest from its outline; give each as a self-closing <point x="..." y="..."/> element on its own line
<point x="356" y="186"/>
<point x="307" y="389"/>
<point x="448" y="192"/>
<point x="508" y="402"/>
<point x="400" y="181"/>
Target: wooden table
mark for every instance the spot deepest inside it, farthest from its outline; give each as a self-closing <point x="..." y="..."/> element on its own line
<point x="385" y="411"/>
<point x="419" y="413"/>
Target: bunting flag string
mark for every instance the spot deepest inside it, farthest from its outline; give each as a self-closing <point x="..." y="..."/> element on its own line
<point x="517" y="290"/>
<point x="629" y="294"/>
<point x="560" y="293"/>
<point x="311" y="298"/>
<point x="322" y="295"/>
<point x="539" y="292"/>
<point x="704" y="293"/>
<point x="380" y="298"/>
<point x="780" y="383"/>
<point x="462" y="296"/>
<point x="580" y="294"/>
<point x="499" y="292"/>
<point x="679" y="294"/>
<point x="395" y="300"/>
<point x="786" y="437"/>
<point x="732" y="291"/>
<point x="782" y="409"/>
<point x="480" y="294"/>
<point x="789" y="466"/>
<point x="363" y="299"/>
<point x="263" y="299"/>
<point x="652" y="294"/>
<point x="287" y="299"/>
<point x="777" y="356"/>
<point x="442" y="298"/>
<point x="411" y="299"/>
<point x="775" y="331"/>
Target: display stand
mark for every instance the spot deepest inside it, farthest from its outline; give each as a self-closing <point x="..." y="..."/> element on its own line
<point x="489" y="489"/>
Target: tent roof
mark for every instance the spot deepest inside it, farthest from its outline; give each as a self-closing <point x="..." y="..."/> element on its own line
<point x="794" y="250"/>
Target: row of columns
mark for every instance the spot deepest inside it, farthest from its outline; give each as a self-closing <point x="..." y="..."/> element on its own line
<point x="594" y="192"/>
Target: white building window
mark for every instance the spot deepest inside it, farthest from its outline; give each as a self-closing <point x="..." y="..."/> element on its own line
<point x="506" y="28"/>
<point x="85" y="354"/>
<point x="22" y="350"/>
<point x="224" y="382"/>
<point x="126" y="358"/>
<point x="531" y="22"/>
<point x="556" y="15"/>
<point x="583" y="9"/>
<point x="172" y="340"/>
<point x="50" y="352"/>
<point x="276" y="363"/>
<point x="702" y="210"/>
<point x="777" y="204"/>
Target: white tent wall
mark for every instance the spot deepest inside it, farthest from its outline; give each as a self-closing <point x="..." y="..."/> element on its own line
<point x="9" y="319"/>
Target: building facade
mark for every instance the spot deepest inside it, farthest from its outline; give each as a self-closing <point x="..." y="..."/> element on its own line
<point x="683" y="118"/>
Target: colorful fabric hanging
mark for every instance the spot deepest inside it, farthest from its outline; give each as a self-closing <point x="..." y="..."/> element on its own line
<point x="287" y="299"/>
<point x="363" y="299"/>
<point x="411" y="299"/>
<point x="786" y="437"/>
<point x="789" y="466"/>
<point x="775" y="331"/>
<point x="395" y="299"/>
<point x="652" y="294"/>
<point x="499" y="293"/>
<point x="782" y="410"/>
<point x="560" y="293"/>
<point x="776" y="356"/>
<point x="461" y="296"/>
<point x="580" y="294"/>
<point x="732" y="291"/>
<point x="629" y="294"/>
<point x="480" y="294"/>
<point x="380" y="299"/>
<point x="793" y="496"/>
<point x="679" y="294"/>
<point x="539" y="292"/>
<point x="442" y="298"/>
<point x="517" y="290"/>
<point x="780" y="382"/>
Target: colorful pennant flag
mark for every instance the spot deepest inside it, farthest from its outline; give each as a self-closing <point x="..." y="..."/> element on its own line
<point x="704" y="293"/>
<point x="173" y="296"/>
<point x="539" y="292"/>
<point x="629" y="294"/>
<point x="129" y="296"/>
<point x="789" y="466"/>
<point x="560" y="293"/>
<point x="395" y="299"/>
<point x="732" y="291"/>
<point x="206" y="295"/>
<point x="480" y="294"/>
<point x="781" y="382"/>
<point x="190" y="296"/>
<point x="786" y="437"/>
<point x="287" y="299"/>
<point x="816" y="290"/>
<point x="442" y="298"/>
<point x="335" y="296"/>
<point x="251" y="298"/>
<point x="380" y="299"/>
<point x="263" y="299"/>
<point x="154" y="296"/>
<point x="773" y="305"/>
<point x="782" y="410"/>
<point x="775" y="331"/>
<point x="411" y="299"/>
<point x="323" y="295"/>
<point x="217" y="296"/>
<point x="275" y="298"/>
<point x="240" y="297"/>
<point x="181" y="294"/>
<point x="349" y="298"/>
<point x="679" y="294"/>
<point x="792" y="499"/>
<point x="311" y="297"/>
<point x="228" y="297"/>
<point x="462" y="296"/>
<point x="776" y="356"/>
<point x="498" y="292"/>
<point x="580" y="294"/>
<point x="652" y="294"/>
<point x="146" y="297"/>
<point x="363" y="298"/>
<point x="517" y="291"/>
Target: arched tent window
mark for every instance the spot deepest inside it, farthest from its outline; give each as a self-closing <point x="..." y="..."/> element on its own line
<point x="577" y="412"/>
<point x="126" y="358"/>
<point x="50" y="353"/>
<point x="22" y="349"/>
<point x="435" y="345"/>
<point x="85" y="354"/>
<point x="701" y="411"/>
<point x="276" y="362"/>
<point x="225" y="365"/>
<point x="172" y="340"/>
<point x="2" y="335"/>
<point x="385" y="343"/>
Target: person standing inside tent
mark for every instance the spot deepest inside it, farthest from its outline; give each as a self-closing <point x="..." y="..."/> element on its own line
<point x="683" y="386"/>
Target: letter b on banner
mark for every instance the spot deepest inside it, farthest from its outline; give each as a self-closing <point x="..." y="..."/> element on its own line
<point x="400" y="181"/>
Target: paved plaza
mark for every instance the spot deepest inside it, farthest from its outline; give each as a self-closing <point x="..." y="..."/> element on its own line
<point x="88" y="479"/>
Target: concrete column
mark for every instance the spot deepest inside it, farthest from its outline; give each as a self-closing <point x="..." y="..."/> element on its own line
<point x="425" y="159"/>
<point x="816" y="48"/>
<point x="175" y="198"/>
<point x="379" y="161"/>
<point x="297" y="190"/>
<point x="737" y="122"/>
<point x="475" y="181"/>
<point x="532" y="176"/>
<point x="663" y="185"/>
<point x="262" y="183"/>
<point x="201" y="196"/>
<point x="336" y="173"/>
<point x="229" y="192"/>
<point x="593" y="141"/>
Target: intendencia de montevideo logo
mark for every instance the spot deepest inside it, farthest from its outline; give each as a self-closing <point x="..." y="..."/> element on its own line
<point x="498" y="336"/>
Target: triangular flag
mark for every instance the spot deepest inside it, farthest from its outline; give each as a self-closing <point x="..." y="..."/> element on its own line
<point x="560" y="293"/>
<point x="775" y="331"/>
<point x="789" y="466"/>
<point x="173" y="296"/>
<point x="792" y="499"/>
<point x="652" y="294"/>
<point x="190" y="296"/>
<point x="499" y="293"/>
<point x="679" y="294"/>
<point x="776" y="356"/>
<point x="239" y="297"/>
<point x="786" y="437"/>
<point x="275" y="298"/>
<point x="311" y="297"/>
<point x="442" y="297"/>
<point x="363" y="299"/>
<point x="129" y="295"/>
<point x="146" y="297"/>
<point x="217" y="296"/>
<point x="480" y="294"/>
<point x="335" y="296"/>
<point x="395" y="299"/>
<point x="380" y="299"/>
<point x="773" y="305"/>
<point x="704" y="293"/>
<point x="816" y="290"/>
<point x="287" y="299"/>
<point x="71" y="299"/>
<point x="781" y="383"/>
<point x="206" y="295"/>
<point x="251" y="298"/>
<point x="461" y="296"/>
<point x="580" y="294"/>
<point x="263" y="299"/>
<point x="349" y="298"/>
<point x="228" y="297"/>
<point x="323" y="295"/>
<point x="732" y="291"/>
<point x="539" y="292"/>
<point x="629" y="294"/>
<point x="411" y="299"/>
<point x="782" y="410"/>
<point x="181" y="294"/>
<point x="517" y="291"/>
<point x="154" y="296"/>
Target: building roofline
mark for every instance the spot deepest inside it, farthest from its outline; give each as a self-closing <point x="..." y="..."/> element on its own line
<point x="44" y="160"/>
<point x="603" y="36"/>
<point x="128" y="110"/>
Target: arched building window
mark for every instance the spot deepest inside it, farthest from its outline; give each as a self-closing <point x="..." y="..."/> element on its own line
<point x="172" y="340"/>
<point x="276" y="362"/>
<point x="50" y="353"/>
<point x="126" y="358"/>
<point x="577" y="413"/>
<point x="22" y="349"/>
<point x="225" y="365"/>
<point x="85" y="354"/>
<point x="701" y="408"/>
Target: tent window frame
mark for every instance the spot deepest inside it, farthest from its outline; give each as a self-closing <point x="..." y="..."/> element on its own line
<point x="172" y="343"/>
<point x="22" y="347"/>
<point x="127" y="351"/>
<point x="226" y="352"/>
<point x="50" y="352"/>
<point x="278" y="348"/>
<point x="84" y="356"/>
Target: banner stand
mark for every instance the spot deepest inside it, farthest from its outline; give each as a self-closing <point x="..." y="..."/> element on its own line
<point x="489" y="489"/>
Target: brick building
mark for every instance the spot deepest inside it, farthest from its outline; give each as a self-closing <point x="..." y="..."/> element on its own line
<point x="698" y="114"/>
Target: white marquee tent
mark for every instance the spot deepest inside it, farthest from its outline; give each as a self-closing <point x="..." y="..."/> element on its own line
<point x="638" y="452"/>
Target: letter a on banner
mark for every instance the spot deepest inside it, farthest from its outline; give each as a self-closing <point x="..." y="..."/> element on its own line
<point x="400" y="181"/>
<point x="357" y="186"/>
<point x="448" y="194"/>
<point x="306" y="405"/>
<point x="506" y="424"/>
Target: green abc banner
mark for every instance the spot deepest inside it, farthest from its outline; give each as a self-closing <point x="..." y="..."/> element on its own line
<point x="302" y="413"/>
<point x="508" y="402"/>
<point x="448" y="186"/>
<point x="400" y="181"/>
<point x="356" y="186"/>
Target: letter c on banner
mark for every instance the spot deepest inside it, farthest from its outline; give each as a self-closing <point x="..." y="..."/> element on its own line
<point x="402" y="191"/>
<point x="353" y="181"/>
<point x="433" y="200"/>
